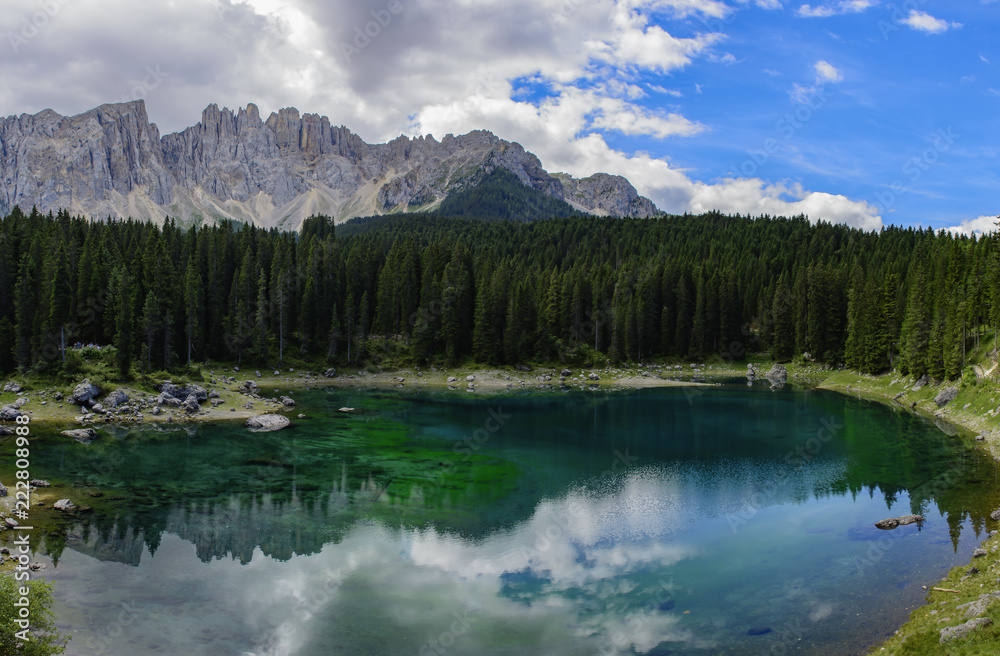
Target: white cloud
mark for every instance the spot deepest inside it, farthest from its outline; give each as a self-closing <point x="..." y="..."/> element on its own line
<point x="923" y="22"/>
<point x="826" y="72"/>
<point x="836" y="9"/>
<point x="981" y="225"/>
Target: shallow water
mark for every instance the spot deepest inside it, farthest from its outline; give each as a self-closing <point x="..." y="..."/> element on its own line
<point x="717" y="521"/>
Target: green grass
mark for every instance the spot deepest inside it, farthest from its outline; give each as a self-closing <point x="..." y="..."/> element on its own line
<point x="922" y="634"/>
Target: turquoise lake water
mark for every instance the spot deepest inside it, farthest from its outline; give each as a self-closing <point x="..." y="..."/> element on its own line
<point x="731" y="520"/>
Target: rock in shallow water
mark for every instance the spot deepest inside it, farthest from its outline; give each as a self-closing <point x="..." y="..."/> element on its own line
<point x="778" y="375"/>
<point x="268" y="423"/>
<point x="81" y="435"/>
<point x="893" y="522"/>
<point x="759" y="630"/>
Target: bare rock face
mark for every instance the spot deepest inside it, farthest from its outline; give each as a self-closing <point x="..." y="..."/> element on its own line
<point x="607" y="194"/>
<point x="275" y="173"/>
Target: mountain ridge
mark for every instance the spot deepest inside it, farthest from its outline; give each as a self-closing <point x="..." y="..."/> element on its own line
<point x="273" y="172"/>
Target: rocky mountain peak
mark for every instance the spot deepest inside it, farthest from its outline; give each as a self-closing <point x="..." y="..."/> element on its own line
<point x="111" y="160"/>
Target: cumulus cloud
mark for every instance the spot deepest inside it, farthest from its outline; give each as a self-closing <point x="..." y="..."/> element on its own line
<point x="390" y="67"/>
<point x="924" y="22"/>
<point x="982" y="225"/>
<point x="826" y="72"/>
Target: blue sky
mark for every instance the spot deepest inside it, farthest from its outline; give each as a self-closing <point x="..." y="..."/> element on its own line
<point x="875" y="131"/>
<point x="856" y="111"/>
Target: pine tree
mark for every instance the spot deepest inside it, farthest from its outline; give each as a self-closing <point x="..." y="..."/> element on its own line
<point x="915" y="335"/>
<point x="193" y="308"/>
<point x="308" y="318"/>
<point x="24" y="300"/>
<point x="333" y="340"/>
<point x="151" y="325"/>
<point x="261" y="325"/>
<point x="123" y="293"/>
<point x="783" y="308"/>
<point x="857" y="326"/>
<point x="60" y="304"/>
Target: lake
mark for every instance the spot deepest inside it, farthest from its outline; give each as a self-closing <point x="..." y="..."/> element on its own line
<point x="718" y="520"/>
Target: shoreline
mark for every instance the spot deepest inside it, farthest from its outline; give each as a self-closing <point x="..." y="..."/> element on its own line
<point x="945" y="604"/>
<point x="230" y="404"/>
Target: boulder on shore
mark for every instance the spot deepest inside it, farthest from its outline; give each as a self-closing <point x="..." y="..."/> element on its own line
<point x="167" y="400"/>
<point x="288" y="402"/>
<point x="181" y="393"/>
<point x="946" y="396"/>
<point x="12" y="387"/>
<point x="9" y="413"/>
<point x="3" y="490"/>
<point x="116" y="398"/>
<point x="86" y="391"/>
<point x="950" y="633"/>
<point x="265" y="423"/>
<point x="330" y="373"/>
<point x="191" y="405"/>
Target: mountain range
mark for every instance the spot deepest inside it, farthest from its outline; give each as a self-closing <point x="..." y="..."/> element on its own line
<point x="112" y="161"/>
